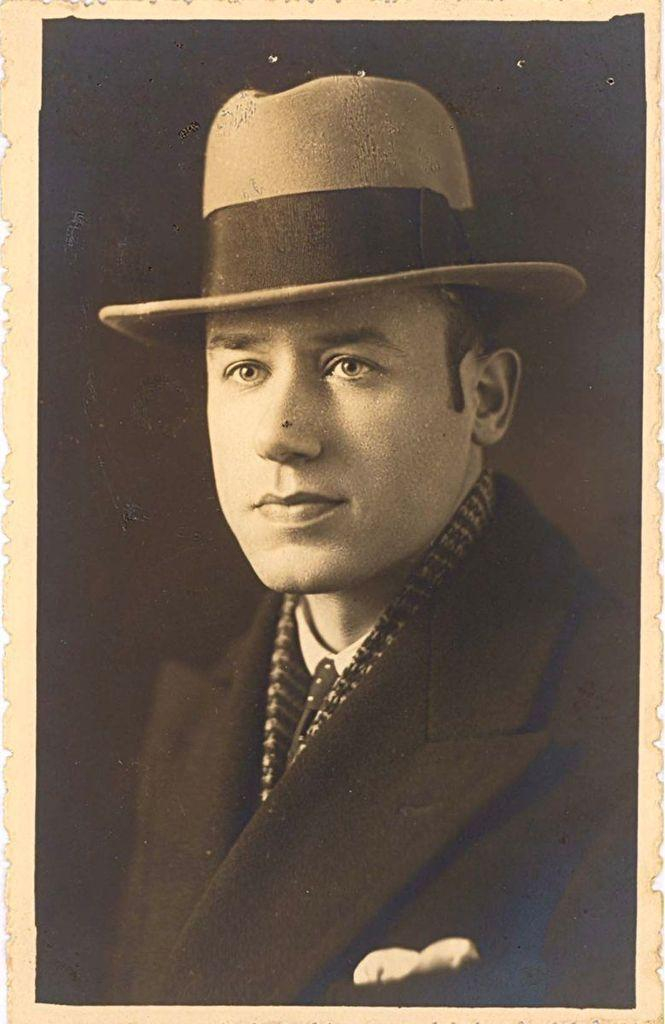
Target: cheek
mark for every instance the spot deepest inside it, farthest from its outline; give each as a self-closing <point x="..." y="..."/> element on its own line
<point x="227" y="448"/>
<point x="412" y="441"/>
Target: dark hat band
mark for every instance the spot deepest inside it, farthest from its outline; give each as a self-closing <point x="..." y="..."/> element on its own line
<point x="312" y="237"/>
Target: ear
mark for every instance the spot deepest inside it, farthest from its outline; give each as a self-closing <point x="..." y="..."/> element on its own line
<point x="497" y="383"/>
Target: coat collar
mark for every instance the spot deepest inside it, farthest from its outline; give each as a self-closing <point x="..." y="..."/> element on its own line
<point x="414" y="755"/>
<point x="240" y="682"/>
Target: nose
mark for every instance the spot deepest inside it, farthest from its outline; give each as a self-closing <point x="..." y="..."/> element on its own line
<point x="290" y="427"/>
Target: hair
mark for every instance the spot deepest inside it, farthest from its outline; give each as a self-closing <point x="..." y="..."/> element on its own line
<point x="469" y="313"/>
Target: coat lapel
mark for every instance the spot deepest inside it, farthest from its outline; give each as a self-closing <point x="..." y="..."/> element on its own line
<point x="419" y="750"/>
<point x="199" y="787"/>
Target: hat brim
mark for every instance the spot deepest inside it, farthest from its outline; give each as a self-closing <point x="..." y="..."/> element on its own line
<point x="520" y="288"/>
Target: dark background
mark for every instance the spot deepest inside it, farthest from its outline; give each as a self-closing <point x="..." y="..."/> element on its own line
<point x="136" y="564"/>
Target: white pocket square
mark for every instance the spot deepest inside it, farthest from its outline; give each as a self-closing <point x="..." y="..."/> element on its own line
<point x="395" y="964"/>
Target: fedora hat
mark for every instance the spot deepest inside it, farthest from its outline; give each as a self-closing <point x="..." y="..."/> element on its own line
<point x="337" y="185"/>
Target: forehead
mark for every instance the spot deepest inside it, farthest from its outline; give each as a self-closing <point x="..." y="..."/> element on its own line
<point x="393" y="311"/>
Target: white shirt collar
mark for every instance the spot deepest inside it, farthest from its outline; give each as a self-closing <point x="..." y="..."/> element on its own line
<point x="313" y="650"/>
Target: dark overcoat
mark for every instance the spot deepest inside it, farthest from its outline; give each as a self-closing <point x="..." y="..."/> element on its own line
<point x="480" y="783"/>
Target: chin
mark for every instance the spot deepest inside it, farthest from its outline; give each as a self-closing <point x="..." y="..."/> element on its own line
<point x="296" y="572"/>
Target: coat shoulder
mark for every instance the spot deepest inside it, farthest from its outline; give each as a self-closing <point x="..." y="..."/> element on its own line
<point x="185" y="699"/>
<point x="597" y="664"/>
<point x="181" y="697"/>
<point x="545" y="613"/>
<point x="588" y="694"/>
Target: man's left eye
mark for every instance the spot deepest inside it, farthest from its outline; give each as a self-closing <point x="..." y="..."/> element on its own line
<point x="348" y="368"/>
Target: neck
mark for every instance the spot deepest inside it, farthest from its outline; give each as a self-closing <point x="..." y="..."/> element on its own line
<point x="343" y="617"/>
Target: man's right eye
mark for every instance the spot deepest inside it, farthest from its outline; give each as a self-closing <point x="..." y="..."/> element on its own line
<point x="245" y="373"/>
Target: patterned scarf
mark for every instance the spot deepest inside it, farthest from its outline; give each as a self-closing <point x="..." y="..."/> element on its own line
<point x="289" y="680"/>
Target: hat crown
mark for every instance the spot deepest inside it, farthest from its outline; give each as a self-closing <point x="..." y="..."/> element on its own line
<point x="336" y="185"/>
<point x="335" y="133"/>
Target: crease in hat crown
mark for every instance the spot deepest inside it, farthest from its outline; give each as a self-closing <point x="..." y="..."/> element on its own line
<point x="335" y="133"/>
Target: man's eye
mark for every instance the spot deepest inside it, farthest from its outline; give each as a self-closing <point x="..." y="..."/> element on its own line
<point x="348" y="368"/>
<point x="245" y="373"/>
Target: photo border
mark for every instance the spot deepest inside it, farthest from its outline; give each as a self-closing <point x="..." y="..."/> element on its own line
<point x="21" y="33"/>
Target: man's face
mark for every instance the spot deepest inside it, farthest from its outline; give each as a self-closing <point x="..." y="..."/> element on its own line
<point x="337" y="453"/>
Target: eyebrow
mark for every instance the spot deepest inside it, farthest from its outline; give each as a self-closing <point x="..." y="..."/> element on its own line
<point x="234" y="341"/>
<point x="330" y="339"/>
<point x="363" y="334"/>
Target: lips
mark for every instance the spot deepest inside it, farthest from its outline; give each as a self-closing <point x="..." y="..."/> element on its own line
<point x="299" y="507"/>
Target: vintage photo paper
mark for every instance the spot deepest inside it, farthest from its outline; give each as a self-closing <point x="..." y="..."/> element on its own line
<point x="333" y="531"/>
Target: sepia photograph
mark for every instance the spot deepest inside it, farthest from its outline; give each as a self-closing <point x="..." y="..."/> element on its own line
<point x="341" y="672"/>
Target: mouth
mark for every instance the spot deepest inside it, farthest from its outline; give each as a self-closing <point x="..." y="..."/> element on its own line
<point x="299" y="507"/>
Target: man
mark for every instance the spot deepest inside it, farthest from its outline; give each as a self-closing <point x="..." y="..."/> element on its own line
<point x="413" y="781"/>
